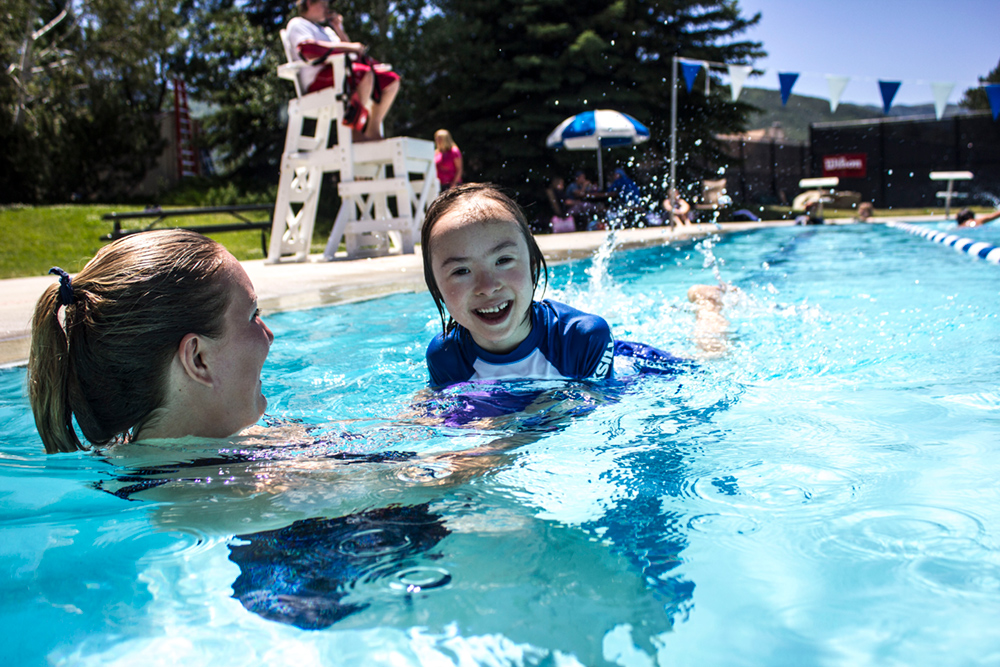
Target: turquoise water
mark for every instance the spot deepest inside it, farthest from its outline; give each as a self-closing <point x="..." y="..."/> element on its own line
<point x="824" y="495"/>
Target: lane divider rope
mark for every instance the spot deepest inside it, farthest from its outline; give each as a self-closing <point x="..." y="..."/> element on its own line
<point x="975" y="248"/>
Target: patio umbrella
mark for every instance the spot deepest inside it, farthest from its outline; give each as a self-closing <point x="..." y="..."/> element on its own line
<point x="595" y="130"/>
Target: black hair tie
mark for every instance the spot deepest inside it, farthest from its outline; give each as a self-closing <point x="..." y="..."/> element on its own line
<point x="65" y="286"/>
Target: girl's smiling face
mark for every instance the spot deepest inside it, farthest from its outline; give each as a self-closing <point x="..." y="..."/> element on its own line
<point x="482" y="266"/>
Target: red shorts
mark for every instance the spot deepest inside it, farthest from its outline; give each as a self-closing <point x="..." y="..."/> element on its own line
<point x="358" y="71"/>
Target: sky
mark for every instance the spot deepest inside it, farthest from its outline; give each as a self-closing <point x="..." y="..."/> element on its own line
<point x="913" y="41"/>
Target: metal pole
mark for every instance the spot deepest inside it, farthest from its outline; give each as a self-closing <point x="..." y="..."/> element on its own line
<point x="600" y="168"/>
<point x="673" y="128"/>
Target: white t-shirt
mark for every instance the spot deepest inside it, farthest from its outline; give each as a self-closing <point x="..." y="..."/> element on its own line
<point x="299" y="30"/>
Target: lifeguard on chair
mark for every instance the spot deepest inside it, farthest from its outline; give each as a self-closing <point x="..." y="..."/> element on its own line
<point x="315" y="35"/>
<point x="385" y="185"/>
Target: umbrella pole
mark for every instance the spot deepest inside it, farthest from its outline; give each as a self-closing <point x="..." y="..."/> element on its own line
<point x="673" y="129"/>
<point x="600" y="170"/>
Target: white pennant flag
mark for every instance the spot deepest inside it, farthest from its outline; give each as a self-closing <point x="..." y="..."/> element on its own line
<point x="737" y="77"/>
<point x="837" y="85"/>
<point x="942" y="91"/>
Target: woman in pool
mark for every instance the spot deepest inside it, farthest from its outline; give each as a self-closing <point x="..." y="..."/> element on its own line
<point x="159" y="336"/>
<point x="482" y="266"/>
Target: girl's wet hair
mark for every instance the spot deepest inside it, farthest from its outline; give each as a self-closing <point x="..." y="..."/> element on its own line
<point x="105" y="361"/>
<point x="490" y="198"/>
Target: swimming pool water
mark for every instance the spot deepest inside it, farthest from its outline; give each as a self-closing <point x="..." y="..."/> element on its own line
<point x="826" y="494"/>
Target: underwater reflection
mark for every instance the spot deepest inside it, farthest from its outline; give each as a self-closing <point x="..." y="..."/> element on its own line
<point x="305" y="574"/>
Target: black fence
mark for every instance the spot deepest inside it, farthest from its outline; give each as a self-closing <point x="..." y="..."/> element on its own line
<point x="900" y="153"/>
<point x="765" y="171"/>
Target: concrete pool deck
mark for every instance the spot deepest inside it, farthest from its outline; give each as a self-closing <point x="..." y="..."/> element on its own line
<point x="291" y="286"/>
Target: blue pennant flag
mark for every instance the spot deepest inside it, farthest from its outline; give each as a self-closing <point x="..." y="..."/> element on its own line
<point x="690" y="73"/>
<point x="993" y="94"/>
<point x="888" y="89"/>
<point x="787" y="80"/>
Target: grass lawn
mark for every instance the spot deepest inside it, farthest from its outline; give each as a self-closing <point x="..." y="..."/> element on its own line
<point x="36" y="238"/>
<point x="33" y="239"/>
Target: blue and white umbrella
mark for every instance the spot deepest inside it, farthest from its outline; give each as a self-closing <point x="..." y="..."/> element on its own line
<point x="594" y="130"/>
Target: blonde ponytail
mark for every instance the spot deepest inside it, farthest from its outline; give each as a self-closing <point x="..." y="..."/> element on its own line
<point x="48" y="371"/>
<point x="124" y="315"/>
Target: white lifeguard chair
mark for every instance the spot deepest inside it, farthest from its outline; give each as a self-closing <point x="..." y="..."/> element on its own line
<point x="385" y="186"/>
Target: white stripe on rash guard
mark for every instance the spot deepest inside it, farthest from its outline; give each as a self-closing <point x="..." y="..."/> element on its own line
<point x="534" y="366"/>
<point x="604" y="365"/>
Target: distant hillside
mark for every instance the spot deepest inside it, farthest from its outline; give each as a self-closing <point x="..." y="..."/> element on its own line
<point x="801" y="110"/>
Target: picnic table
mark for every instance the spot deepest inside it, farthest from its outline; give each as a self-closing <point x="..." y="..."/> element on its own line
<point x="158" y="215"/>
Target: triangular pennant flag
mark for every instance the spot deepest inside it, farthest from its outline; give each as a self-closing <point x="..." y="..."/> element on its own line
<point x="690" y="73"/>
<point x="786" y="80"/>
<point x="941" y="91"/>
<point x="888" y="89"/>
<point x="993" y="94"/>
<point x="837" y="85"/>
<point x="737" y="77"/>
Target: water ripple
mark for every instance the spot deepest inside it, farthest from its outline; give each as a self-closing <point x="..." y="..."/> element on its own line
<point x="908" y="531"/>
<point x="775" y="487"/>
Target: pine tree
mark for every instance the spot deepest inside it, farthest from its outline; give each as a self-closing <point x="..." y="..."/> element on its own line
<point x="508" y="72"/>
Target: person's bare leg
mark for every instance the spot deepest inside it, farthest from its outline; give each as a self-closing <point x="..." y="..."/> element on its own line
<point x="364" y="95"/>
<point x="710" y="325"/>
<point x="379" y="111"/>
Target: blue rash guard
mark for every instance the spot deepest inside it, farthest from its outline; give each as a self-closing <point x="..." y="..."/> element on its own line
<point x="564" y="344"/>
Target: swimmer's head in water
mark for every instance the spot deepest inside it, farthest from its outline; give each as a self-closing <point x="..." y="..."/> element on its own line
<point x="964" y="216"/>
<point x="103" y="358"/>
<point x="475" y="203"/>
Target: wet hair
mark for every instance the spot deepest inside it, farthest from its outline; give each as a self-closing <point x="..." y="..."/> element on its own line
<point x="445" y="136"/>
<point x="964" y="216"/>
<point x="480" y="199"/>
<point x="105" y="361"/>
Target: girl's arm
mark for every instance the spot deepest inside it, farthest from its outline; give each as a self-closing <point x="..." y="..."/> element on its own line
<point x="458" y="169"/>
<point x="710" y="325"/>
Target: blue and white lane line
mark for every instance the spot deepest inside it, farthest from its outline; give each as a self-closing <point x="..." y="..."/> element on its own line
<point x="975" y="248"/>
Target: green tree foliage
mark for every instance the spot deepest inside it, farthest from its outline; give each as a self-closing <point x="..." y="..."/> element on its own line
<point x="505" y="74"/>
<point x="81" y="86"/>
<point x="975" y="98"/>
<point x="78" y="99"/>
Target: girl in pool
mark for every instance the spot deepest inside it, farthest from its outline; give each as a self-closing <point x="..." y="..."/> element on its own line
<point x="159" y="336"/>
<point x="482" y="266"/>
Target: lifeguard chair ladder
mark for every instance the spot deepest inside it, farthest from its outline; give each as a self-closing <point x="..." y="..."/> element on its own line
<point x="385" y="186"/>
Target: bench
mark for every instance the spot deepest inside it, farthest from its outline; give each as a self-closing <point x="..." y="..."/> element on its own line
<point x="947" y="195"/>
<point x="158" y="216"/>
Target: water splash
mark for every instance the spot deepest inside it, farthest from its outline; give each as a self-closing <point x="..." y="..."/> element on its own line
<point x="598" y="270"/>
<point x="710" y="261"/>
<point x="993" y="199"/>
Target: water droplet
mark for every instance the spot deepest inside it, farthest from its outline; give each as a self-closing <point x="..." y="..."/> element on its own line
<point x="417" y="579"/>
